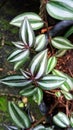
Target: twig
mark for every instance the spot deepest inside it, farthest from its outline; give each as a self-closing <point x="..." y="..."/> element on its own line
<point x="67" y="109"/>
<point x="50" y="93"/>
<point x="39" y="121"/>
<point x="53" y="108"/>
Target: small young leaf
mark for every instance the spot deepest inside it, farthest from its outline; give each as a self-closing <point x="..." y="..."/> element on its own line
<point x="38" y="64"/>
<point x="26" y="33"/>
<point x="29" y="91"/>
<point x="20" y="118"/>
<point x="39" y="127"/>
<point x="34" y="19"/>
<point x="61" y="43"/>
<point x="61" y="120"/>
<point x="67" y="95"/>
<point x="58" y="94"/>
<point x="41" y="42"/>
<point x="26" y="74"/>
<point x="38" y="96"/>
<point x="15" y="81"/>
<point x="60" y="53"/>
<point x="19" y="45"/>
<point x="52" y="61"/>
<point x="68" y="84"/>
<point x="50" y="82"/>
<point x="60" y="9"/>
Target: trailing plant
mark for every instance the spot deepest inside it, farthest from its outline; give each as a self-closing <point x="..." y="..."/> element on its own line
<point x="37" y="69"/>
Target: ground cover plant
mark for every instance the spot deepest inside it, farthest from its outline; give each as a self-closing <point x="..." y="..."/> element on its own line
<point x="35" y="58"/>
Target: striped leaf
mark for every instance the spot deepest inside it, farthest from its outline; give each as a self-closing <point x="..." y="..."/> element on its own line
<point x="19" y="55"/>
<point x="41" y="42"/>
<point x="34" y="19"/>
<point x="61" y="120"/>
<point x="25" y="73"/>
<point x="38" y="64"/>
<point x="69" y="32"/>
<point x="19" y="44"/>
<point x="61" y="43"/>
<point x="20" y="63"/>
<point x="26" y="33"/>
<point x="15" y="81"/>
<point x="38" y="96"/>
<point x="58" y="94"/>
<point x="29" y="91"/>
<point x="16" y="52"/>
<point x="60" y="53"/>
<point x="52" y="61"/>
<point x="39" y="127"/>
<point x="20" y="118"/>
<point x="60" y="9"/>
<point x="68" y="84"/>
<point x="50" y="82"/>
<point x="67" y="95"/>
<point x="10" y="127"/>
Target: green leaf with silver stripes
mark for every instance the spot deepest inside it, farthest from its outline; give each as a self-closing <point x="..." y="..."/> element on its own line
<point x="67" y="95"/>
<point x="52" y="61"/>
<point x="41" y="42"/>
<point x="61" y="120"/>
<point x="39" y="127"/>
<point x="34" y="19"/>
<point x="15" y="81"/>
<point x="28" y="91"/>
<point x="20" y="63"/>
<point x="68" y="84"/>
<point x="19" y="117"/>
<point x="19" y="55"/>
<point x="61" y="43"/>
<point x="60" y="53"/>
<point x="38" y="96"/>
<point x="50" y="82"/>
<point x="60" y="9"/>
<point x="38" y="64"/>
<point x="26" y="33"/>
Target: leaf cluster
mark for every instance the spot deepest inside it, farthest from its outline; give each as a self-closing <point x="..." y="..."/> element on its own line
<point x="38" y="74"/>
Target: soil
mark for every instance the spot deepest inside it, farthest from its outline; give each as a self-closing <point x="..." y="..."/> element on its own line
<point x="65" y="63"/>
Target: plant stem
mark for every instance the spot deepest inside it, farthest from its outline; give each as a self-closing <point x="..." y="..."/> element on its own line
<point x="39" y="121"/>
<point x="42" y="9"/>
<point x="53" y="108"/>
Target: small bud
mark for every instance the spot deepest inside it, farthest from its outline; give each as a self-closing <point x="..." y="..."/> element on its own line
<point x="25" y="100"/>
